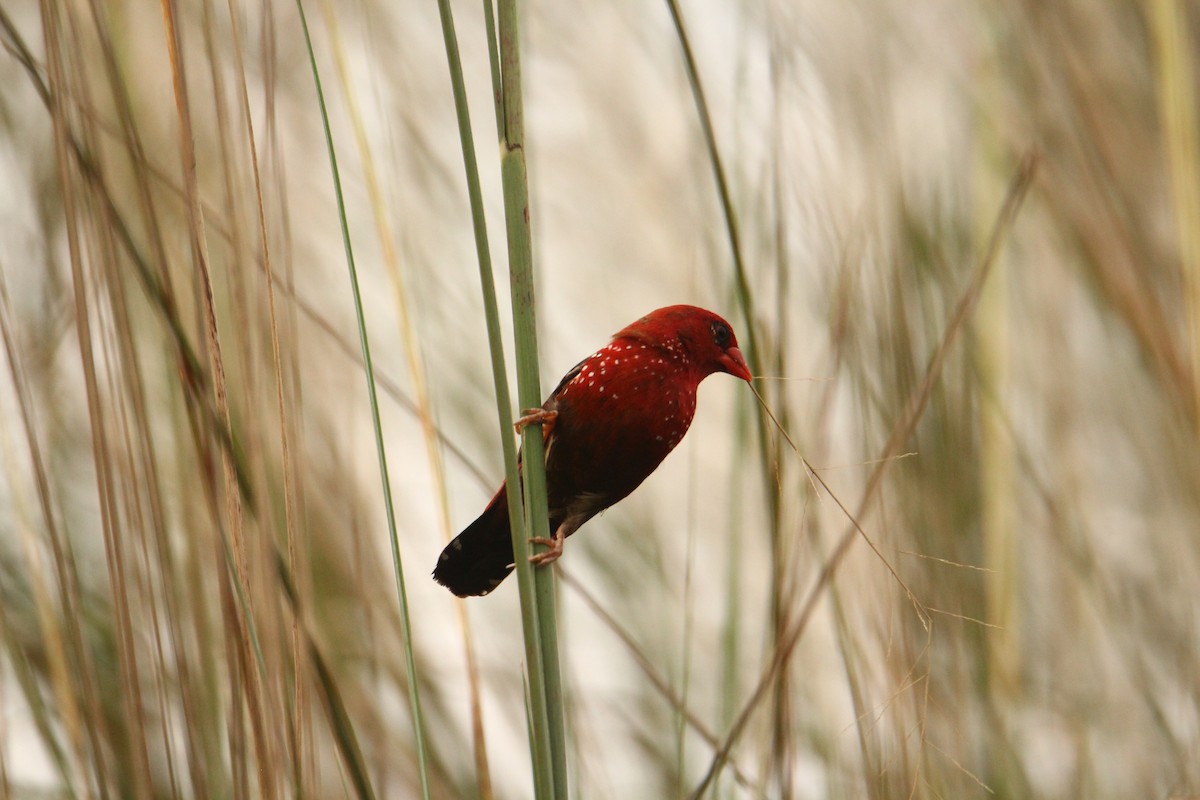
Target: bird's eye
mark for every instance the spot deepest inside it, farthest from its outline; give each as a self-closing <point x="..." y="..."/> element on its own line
<point x="721" y="334"/>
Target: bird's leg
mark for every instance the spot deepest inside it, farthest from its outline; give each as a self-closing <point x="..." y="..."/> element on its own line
<point x="536" y="416"/>
<point x="555" y="543"/>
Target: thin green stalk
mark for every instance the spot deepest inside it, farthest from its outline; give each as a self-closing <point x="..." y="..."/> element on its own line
<point x="520" y="264"/>
<point x="714" y="155"/>
<point x="755" y="357"/>
<point x="504" y="406"/>
<point x="539" y="728"/>
<point x="489" y="25"/>
<point x="401" y="593"/>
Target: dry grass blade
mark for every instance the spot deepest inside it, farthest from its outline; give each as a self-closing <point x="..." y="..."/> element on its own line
<point x="247" y="657"/>
<point x="767" y="410"/>
<point x="62" y="640"/>
<point x="647" y="666"/>
<point x="57" y="80"/>
<point x="908" y="420"/>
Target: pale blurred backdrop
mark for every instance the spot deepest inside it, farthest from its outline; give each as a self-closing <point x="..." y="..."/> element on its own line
<point x="1021" y="454"/>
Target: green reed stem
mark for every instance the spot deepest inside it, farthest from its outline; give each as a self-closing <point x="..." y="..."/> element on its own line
<point x="546" y="683"/>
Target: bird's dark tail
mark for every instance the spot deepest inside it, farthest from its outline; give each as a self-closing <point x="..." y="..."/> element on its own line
<point x="481" y="556"/>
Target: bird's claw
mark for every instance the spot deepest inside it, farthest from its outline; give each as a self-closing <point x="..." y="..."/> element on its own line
<point x="536" y="416"/>
<point x="555" y="551"/>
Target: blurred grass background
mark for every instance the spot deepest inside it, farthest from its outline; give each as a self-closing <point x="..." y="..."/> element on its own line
<point x="183" y="398"/>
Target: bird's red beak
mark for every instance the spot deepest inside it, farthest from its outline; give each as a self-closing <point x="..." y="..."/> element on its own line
<point x="732" y="362"/>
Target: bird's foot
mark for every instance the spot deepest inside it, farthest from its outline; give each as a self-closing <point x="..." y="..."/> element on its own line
<point x="555" y="543"/>
<point x="536" y="416"/>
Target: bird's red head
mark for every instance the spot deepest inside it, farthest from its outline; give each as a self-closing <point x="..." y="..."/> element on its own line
<point x="706" y="340"/>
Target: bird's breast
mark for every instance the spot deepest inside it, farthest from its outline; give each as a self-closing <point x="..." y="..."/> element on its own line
<point x="622" y="413"/>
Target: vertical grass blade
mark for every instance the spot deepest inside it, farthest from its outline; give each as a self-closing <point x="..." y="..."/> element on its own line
<point x="414" y="697"/>
<point x="1180" y="122"/>
<point x="732" y="230"/>
<point x="417" y="375"/>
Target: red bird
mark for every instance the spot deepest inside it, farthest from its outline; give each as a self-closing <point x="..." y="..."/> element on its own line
<point x="608" y="424"/>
